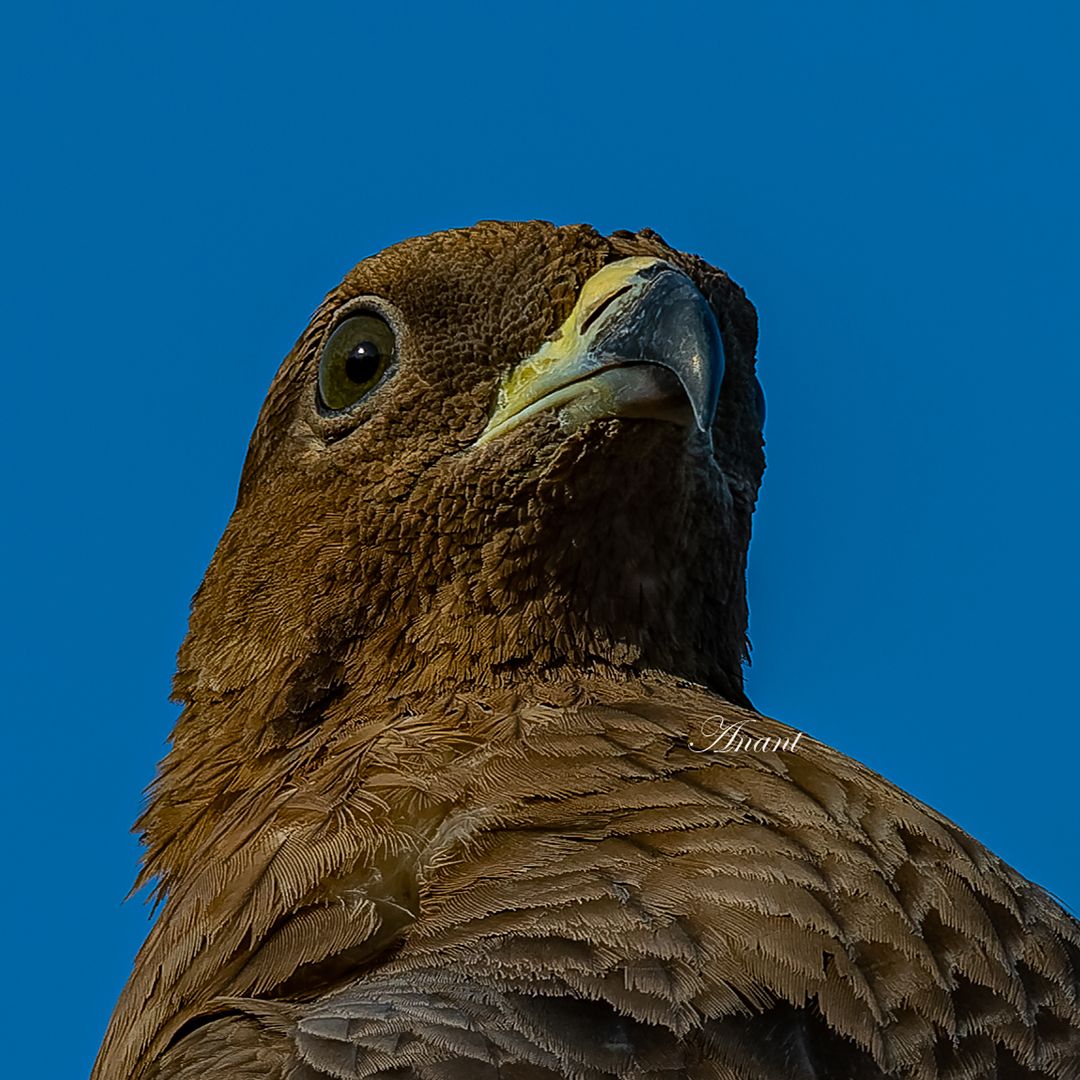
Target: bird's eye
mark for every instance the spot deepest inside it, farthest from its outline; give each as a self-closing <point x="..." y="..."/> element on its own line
<point x="759" y="403"/>
<point x="355" y="359"/>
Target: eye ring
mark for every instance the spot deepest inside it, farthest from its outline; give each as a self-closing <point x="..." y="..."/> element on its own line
<point x="354" y="361"/>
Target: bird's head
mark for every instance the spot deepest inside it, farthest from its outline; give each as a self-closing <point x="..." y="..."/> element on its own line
<point x="494" y="450"/>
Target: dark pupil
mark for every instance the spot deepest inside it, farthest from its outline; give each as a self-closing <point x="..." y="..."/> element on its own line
<point x="363" y="362"/>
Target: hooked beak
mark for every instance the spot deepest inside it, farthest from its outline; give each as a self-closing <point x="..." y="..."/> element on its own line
<point x="641" y="342"/>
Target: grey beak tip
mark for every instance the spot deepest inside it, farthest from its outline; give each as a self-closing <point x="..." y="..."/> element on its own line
<point x="673" y="326"/>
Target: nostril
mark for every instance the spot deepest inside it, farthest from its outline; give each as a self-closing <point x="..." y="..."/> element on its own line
<point x="601" y="308"/>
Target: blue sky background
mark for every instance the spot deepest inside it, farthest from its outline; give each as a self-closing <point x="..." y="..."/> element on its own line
<point x="894" y="184"/>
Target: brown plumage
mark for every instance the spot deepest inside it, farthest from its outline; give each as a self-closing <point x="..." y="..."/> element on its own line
<point x="439" y="804"/>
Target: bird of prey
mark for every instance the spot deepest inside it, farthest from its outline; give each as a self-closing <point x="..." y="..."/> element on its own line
<point x="466" y="785"/>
